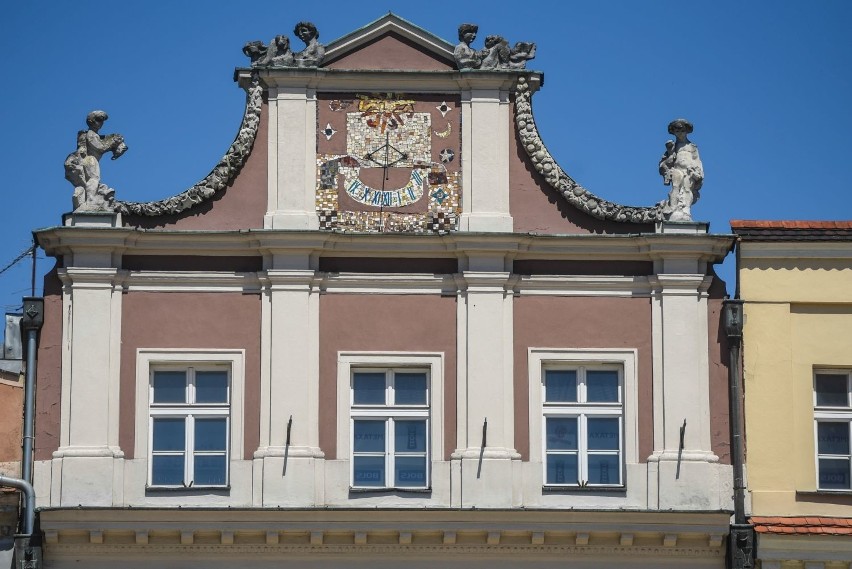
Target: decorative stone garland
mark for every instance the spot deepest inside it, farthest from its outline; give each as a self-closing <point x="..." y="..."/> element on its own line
<point x="544" y="164"/>
<point x="220" y="177"/>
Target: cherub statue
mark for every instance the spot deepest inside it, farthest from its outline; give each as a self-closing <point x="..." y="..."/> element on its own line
<point x="82" y="167"/>
<point x="467" y="57"/>
<point x="681" y="169"/>
<point x="314" y="51"/>
<point x="255" y="51"/>
<point x="520" y="54"/>
<point x="496" y="53"/>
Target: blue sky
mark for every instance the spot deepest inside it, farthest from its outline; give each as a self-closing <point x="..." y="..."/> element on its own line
<point x="767" y="85"/>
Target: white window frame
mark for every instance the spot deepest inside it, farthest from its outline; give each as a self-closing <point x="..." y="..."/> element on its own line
<point x="150" y="360"/>
<point x="625" y="361"/>
<point x="433" y="365"/>
<point x="831" y="414"/>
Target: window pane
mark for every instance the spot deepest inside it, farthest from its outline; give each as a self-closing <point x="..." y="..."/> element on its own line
<point x="211" y="434"/>
<point x="834" y="474"/>
<point x="410" y="388"/>
<point x="369" y="436"/>
<point x="369" y="388"/>
<point x="604" y="469"/>
<point x="562" y="469"/>
<point x="561" y="433"/>
<point x="833" y="438"/>
<point x="369" y="471"/>
<point x="211" y="387"/>
<point x="167" y="470"/>
<point x="209" y="470"/>
<point x="410" y="436"/>
<point x="602" y="386"/>
<point x="831" y="390"/>
<point x="560" y="385"/>
<point x="603" y="434"/>
<point x="410" y="471"/>
<point x="169" y="387"/>
<point x="169" y="434"/>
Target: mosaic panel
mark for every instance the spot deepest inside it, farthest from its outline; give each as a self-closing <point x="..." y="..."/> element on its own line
<point x="399" y="168"/>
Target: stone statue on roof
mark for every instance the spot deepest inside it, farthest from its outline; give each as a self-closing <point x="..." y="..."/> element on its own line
<point x="496" y="55"/>
<point x="82" y="167"/>
<point x="681" y="168"/>
<point x="279" y="54"/>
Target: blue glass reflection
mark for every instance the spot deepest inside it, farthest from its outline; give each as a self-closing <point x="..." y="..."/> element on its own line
<point x="410" y="471"/>
<point x="831" y="390"/>
<point x="604" y="469"/>
<point x="211" y="434"/>
<point x="169" y="434"/>
<point x="603" y="434"/>
<point x="167" y="470"/>
<point x="562" y="469"/>
<point x="833" y="438"/>
<point x="209" y="470"/>
<point x="169" y="387"/>
<point x="561" y="433"/>
<point x="410" y="436"/>
<point x="560" y="385"/>
<point x="602" y="386"/>
<point x="369" y="388"/>
<point x="834" y="474"/>
<point x="410" y="388"/>
<point x="211" y="387"/>
<point x="369" y="471"/>
<point x="369" y="436"/>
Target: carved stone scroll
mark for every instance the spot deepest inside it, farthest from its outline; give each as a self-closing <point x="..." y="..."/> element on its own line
<point x="544" y="164"/>
<point x="222" y="175"/>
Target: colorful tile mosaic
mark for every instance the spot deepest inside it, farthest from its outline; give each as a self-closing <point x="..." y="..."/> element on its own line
<point x="384" y="133"/>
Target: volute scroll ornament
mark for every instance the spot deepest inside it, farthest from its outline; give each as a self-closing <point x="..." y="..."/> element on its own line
<point x="574" y="193"/>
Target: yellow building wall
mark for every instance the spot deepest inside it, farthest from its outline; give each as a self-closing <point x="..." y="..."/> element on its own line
<point x="798" y="318"/>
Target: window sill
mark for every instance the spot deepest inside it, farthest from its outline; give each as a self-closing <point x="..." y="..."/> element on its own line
<point x="390" y="490"/>
<point x="186" y="489"/>
<point x="583" y="489"/>
<point x="824" y="492"/>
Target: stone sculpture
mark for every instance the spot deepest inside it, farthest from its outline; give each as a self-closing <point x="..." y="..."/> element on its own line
<point x="681" y="168"/>
<point x="83" y="169"/>
<point x="496" y="55"/>
<point x="279" y="54"/>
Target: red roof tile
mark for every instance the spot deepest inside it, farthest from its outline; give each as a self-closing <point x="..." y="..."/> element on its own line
<point x="802" y="525"/>
<point x="788" y="224"/>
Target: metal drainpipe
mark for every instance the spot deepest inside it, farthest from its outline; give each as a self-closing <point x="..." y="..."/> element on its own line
<point x="29" y="500"/>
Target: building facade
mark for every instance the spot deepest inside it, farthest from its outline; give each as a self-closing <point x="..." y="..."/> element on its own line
<point x="795" y="278"/>
<point x="387" y="328"/>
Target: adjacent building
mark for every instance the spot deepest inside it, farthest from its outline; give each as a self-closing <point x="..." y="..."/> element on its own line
<point x="795" y="278"/>
<point x="386" y="329"/>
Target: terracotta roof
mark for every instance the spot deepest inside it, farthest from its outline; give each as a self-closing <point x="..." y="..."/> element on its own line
<point x="814" y="525"/>
<point x="792" y="230"/>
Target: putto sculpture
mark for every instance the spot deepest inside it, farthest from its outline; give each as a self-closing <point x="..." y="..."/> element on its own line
<point x="496" y="55"/>
<point x="82" y="167"/>
<point x="279" y="54"/>
<point x="681" y="168"/>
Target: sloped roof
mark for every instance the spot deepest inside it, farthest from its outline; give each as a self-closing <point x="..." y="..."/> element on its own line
<point x="802" y="525"/>
<point x="390" y="22"/>
<point x="792" y="230"/>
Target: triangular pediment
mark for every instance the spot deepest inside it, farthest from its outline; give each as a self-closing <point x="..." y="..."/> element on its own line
<point x="390" y="43"/>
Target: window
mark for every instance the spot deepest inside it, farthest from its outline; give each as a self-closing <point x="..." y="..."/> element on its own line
<point x="583" y="424"/>
<point x="189" y="416"/>
<point x="390" y="428"/>
<point x="833" y="422"/>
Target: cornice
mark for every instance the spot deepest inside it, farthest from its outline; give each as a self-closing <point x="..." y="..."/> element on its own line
<point x="462" y="532"/>
<point x="58" y="241"/>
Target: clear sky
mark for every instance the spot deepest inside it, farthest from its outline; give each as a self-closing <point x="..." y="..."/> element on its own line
<point x="767" y="84"/>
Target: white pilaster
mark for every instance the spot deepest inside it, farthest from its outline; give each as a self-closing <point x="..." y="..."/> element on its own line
<point x="291" y="172"/>
<point x="485" y="165"/>
<point x="486" y="462"/>
<point x="90" y="457"/>
<point x="289" y="474"/>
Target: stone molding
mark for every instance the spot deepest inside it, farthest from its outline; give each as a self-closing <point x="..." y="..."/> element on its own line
<point x="222" y="175"/>
<point x="546" y="165"/>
